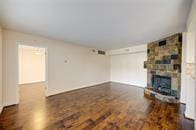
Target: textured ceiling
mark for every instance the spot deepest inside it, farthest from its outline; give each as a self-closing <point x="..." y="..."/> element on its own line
<point x="104" y="24"/>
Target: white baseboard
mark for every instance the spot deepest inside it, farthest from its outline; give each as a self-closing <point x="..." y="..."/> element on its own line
<point x="188" y="115"/>
<point x="183" y="102"/>
<point x="1" y="109"/>
<point x="134" y="85"/>
<point x="195" y="124"/>
<point x="11" y="103"/>
<point x="32" y="83"/>
<point x="55" y="92"/>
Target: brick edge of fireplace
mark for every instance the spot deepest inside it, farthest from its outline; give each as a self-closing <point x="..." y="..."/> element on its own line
<point x="155" y="95"/>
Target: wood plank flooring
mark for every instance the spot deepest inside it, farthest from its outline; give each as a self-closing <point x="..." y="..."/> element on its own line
<point x="110" y="106"/>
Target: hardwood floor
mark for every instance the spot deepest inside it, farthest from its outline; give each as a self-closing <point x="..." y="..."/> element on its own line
<point x="109" y="106"/>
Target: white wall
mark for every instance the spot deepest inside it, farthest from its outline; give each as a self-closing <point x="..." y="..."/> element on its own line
<point x="1" y="72"/>
<point x="31" y="65"/>
<point x="188" y="81"/>
<point x="83" y="67"/>
<point x="194" y="19"/>
<point x="127" y="65"/>
<point x="190" y="58"/>
<point x="183" y="73"/>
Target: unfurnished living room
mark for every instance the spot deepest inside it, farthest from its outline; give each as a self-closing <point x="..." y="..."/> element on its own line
<point x="97" y="64"/>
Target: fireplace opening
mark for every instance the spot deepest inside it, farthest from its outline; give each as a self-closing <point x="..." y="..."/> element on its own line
<point x="161" y="84"/>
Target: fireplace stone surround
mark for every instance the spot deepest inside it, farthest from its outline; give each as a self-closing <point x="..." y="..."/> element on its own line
<point x="164" y="69"/>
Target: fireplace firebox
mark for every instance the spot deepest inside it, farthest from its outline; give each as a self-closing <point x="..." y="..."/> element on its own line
<point x="161" y="84"/>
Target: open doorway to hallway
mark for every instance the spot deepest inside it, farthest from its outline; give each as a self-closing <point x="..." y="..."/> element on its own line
<point x="32" y="73"/>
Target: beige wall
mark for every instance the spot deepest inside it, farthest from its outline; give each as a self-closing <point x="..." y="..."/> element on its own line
<point x="1" y="73"/>
<point x="31" y="64"/>
<point x="125" y="67"/>
<point x="128" y="69"/>
<point x="82" y="67"/>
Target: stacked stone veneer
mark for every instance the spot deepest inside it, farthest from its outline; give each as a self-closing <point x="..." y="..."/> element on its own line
<point x="164" y="59"/>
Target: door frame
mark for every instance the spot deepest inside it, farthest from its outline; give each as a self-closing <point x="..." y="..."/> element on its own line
<point x="46" y="68"/>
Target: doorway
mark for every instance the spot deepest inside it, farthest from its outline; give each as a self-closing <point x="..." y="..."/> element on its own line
<point x="32" y="78"/>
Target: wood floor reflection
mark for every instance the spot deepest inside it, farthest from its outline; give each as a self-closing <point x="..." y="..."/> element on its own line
<point x="110" y="106"/>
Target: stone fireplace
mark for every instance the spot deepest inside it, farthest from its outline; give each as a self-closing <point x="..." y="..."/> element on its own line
<point x="164" y="69"/>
